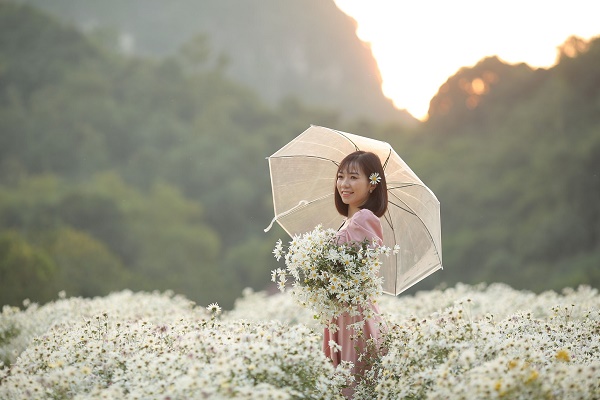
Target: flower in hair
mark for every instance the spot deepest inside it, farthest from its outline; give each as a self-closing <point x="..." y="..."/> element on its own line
<point x="374" y="178"/>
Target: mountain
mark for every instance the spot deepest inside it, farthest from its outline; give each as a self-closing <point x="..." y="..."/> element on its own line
<point x="282" y="48"/>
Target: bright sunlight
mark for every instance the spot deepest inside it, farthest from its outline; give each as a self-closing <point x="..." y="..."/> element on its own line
<point x="419" y="45"/>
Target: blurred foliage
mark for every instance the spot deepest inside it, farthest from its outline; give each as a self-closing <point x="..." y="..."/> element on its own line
<point x="120" y="171"/>
<point x="518" y="170"/>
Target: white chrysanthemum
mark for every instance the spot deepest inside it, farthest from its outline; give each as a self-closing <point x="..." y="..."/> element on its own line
<point x="155" y="347"/>
<point x="214" y="308"/>
<point x="278" y="250"/>
<point x="323" y="270"/>
<point x="334" y="346"/>
<point x="460" y="342"/>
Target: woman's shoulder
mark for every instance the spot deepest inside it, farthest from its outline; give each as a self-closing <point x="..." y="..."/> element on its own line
<point x="365" y="214"/>
<point x="365" y="217"/>
<point x="363" y="225"/>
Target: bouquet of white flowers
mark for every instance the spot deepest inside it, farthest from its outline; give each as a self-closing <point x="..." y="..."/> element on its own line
<point x="331" y="278"/>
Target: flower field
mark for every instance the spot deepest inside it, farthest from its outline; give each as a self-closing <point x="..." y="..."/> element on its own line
<point x="463" y="342"/>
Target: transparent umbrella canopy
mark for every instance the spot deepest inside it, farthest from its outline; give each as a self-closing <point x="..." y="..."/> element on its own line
<point x="303" y="176"/>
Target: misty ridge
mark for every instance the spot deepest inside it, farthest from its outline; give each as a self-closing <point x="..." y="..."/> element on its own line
<point x="134" y="136"/>
<point x="300" y="49"/>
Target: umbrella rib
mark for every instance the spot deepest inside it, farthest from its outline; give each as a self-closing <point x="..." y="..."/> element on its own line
<point x="347" y="138"/>
<point x="410" y="211"/>
<point x="403" y="185"/>
<point x="306" y="156"/>
<point x="388" y="218"/>
<point x="357" y="148"/>
<point x="387" y="159"/>
<point x="407" y="184"/>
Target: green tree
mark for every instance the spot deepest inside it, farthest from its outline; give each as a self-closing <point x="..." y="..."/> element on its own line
<point x="26" y="271"/>
<point x="85" y="267"/>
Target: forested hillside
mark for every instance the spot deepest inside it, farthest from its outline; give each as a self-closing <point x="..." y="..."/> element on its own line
<point x="281" y="48"/>
<point x="121" y="171"/>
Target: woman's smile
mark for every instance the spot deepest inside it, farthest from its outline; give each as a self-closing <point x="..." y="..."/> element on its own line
<point x="353" y="187"/>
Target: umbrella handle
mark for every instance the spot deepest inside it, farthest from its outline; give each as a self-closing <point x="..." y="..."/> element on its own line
<point x="283" y="214"/>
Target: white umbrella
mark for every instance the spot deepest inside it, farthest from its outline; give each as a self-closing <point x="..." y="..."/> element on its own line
<point x="303" y="177"/>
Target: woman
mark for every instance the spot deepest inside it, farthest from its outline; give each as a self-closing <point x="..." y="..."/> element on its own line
<point x="361" y="196"/>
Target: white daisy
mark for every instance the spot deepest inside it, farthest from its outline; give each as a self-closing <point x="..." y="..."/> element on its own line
<point x="374" y="178"/>
<point x="214" y="308"/>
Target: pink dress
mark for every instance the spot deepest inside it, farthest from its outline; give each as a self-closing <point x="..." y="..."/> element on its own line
<point x="363" y="225"/>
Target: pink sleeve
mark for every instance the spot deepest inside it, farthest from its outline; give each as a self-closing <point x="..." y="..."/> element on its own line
<point x="363" y="225"/>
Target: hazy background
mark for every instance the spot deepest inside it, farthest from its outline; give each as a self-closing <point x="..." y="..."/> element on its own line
<point x="133" y="137"/>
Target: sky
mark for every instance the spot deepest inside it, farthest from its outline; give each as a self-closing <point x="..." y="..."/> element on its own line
<point x="419" y="44"/>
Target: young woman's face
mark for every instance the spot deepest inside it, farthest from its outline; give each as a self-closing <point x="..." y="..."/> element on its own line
<point x="353" y="186"/>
